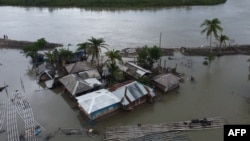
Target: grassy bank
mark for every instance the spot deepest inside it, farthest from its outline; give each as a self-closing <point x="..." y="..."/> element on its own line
<point x="109" y="3"/>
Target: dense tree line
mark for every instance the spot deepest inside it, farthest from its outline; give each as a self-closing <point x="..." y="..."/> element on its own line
<point x="109" y="3"/>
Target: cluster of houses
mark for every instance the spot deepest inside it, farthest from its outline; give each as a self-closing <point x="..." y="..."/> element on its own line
<point x="84" y="83"/>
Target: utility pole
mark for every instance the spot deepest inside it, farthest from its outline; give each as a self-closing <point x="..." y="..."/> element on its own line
<point x="160" y="47"/>
<point x="160" y="41"/>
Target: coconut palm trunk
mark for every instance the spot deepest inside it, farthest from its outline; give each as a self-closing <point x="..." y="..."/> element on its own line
<point x="211" y="27"/>
<point x="96" y="44"/>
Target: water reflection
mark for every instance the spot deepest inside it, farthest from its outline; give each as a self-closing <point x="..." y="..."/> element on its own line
<point x="122" y="28"/>
<point x="107" y="9"/>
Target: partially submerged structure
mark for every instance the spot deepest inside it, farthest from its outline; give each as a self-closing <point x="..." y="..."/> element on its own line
<point x="132" y="93"/>
<point x="166" y="82"/>
<point x="45" y="72"/>
<point x="92" y="73"/>
<point x="76" y="85"/>
<point x="78" y="67"/>
<point x="134" y="71"/>
<point x="98" y="103"/>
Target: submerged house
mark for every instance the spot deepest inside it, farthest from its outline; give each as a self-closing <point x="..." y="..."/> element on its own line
<point x="45" y="72"/>
<point x="166" y="82"/>
<point x="91" y="73"/>
<point x="132" y="93"/>
<point x="78" y="67"/>
<point x="76" y="85"/>
<point x="134" y="71"/>
<point x="98" y="104"/>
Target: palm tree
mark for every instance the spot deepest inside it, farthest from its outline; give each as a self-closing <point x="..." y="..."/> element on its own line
<point x="116" y="73"/>
<point x="96" y="44"/>
<point x="32" y="50"/>
<point x="65" y="55"/>
<point x="51" y="57"/>
<point x="114" y="55"/>
<point x="86" y="47"/>
<point x="211" y="28"/>
<point x="222" y="39"/>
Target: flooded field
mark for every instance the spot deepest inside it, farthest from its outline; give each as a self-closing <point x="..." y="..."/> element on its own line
<point x="221" y="89"/>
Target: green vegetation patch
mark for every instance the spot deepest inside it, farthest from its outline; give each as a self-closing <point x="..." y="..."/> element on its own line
<point x="109" y="3"/>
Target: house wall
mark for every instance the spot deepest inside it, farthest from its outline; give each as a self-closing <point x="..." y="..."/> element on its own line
<point x="161" y="87"/>
<point x="84" y="112"/>
<point x="135" y="103"/>
<point x="102" y="112"/>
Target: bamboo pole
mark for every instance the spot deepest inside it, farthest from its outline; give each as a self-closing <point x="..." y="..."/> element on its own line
<point x="134" y="131"/>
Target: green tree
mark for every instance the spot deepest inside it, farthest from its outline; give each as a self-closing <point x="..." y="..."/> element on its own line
<point x="222" y="39"/>
<point x="96" y="44"/>
<point x="51" y="57"/>
<point x="145" y="80"/>
<point x="116" y="73"/>
<point x="86" y="48"/>
<point x="113" y="55"/>
<point x="148" y="56"/>
<point x="211" y="27"/>
<point x="65" y="55"/>
<point x="114" y="70"/>
<point x="32" y="50"/>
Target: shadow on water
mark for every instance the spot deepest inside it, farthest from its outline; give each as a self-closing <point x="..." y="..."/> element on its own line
<point x="72" y="102"/>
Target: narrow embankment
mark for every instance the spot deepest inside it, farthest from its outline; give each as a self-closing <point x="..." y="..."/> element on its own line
<point x="7" y="43"/>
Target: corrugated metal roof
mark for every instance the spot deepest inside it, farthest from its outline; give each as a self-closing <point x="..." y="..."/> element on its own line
<point x="74" y="84"/>
<point x="134" y="70"/>
<point x="133" y="91"/>
<point x="92" y="73"/>
<point x="41" y="68"/>
<point x="78" y="67"/>
<point x="93" y="82"/>
<point x="142" y="69"/>
<point x="167" y="80"/>
<point x="97" y="100"/>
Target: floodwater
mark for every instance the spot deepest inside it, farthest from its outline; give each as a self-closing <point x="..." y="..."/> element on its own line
<point x="180" y="26"/>
<point x="221" y="89"/>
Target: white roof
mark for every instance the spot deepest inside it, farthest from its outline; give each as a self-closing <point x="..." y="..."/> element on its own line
<point x="92" y="82"/>
<point x="97" y="100"/>
<point x="49" y="83"/>
<point x="142" y="69"/>
<point x="141" y="73"/>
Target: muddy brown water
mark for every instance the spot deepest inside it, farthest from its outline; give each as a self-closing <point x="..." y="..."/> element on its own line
<point x="221" y="89"/>
<point x="122" y="28"/>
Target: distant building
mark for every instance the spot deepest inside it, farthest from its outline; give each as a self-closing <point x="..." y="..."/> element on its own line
<point x="134" y="71"/>
<point x="132" y="93"/>
<point x="98" y="103"/>
<point x="166" y="82"/>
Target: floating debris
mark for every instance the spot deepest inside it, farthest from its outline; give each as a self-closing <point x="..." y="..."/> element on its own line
<point x="135" y="131"/>
<point x="167" y="136"/>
